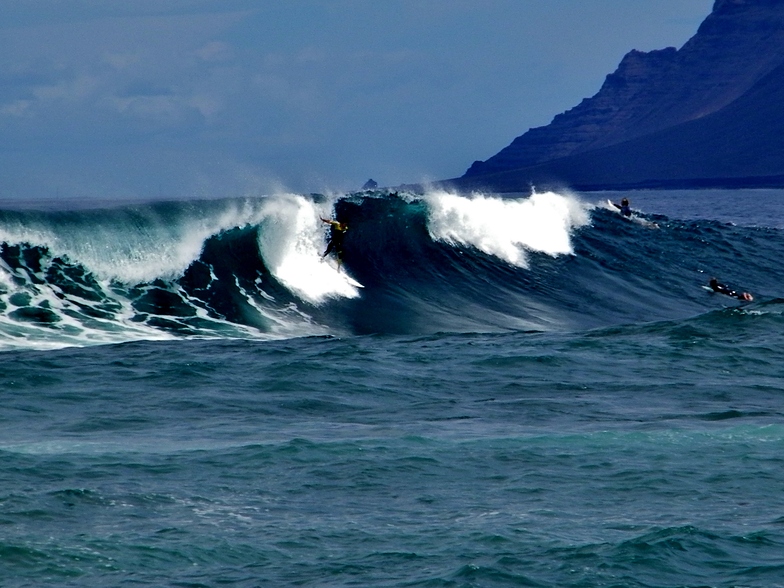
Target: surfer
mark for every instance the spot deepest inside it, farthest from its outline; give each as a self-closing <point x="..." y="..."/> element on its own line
<point x="624" y="207"/>
<point x="337" y="231"/>
<point x="717" y="286"/>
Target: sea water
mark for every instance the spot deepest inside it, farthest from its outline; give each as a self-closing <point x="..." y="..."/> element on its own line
<point x="490" y="391"/>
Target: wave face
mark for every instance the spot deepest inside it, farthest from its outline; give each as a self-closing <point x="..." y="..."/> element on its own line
<point x="252" y="268"/>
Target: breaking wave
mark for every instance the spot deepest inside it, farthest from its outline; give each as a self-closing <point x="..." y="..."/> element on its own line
<point x="413" y="264"/>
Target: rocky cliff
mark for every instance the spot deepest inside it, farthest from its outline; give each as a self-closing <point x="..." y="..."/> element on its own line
<point x="661" y="106"/>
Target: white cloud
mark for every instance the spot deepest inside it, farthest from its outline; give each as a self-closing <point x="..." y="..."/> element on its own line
<point x="310" y="90"/>
<point x="215" y="51"/>
<point x="164" y="109"/>
<point x="120" y="61"/>
<point x="17" y="108"/>
<point x="208" y="106"/>
<point x="73" y="90"/>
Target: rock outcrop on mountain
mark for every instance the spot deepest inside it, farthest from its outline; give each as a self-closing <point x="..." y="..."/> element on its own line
<point x="705" y="114"/>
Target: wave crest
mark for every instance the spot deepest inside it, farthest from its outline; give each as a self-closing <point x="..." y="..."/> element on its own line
<point x="507" y="228"/>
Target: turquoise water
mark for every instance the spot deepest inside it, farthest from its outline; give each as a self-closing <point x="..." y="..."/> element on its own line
<point x="592" y="418"/>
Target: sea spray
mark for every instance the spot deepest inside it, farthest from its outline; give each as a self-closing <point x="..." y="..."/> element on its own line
<point x="131" y="245"/>
<point x="507" y="228"/>
<point x="291" y="240"/>
<point x="252" y="268"/>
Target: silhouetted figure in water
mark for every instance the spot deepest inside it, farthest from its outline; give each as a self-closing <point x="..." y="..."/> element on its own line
<point x="624" y="207"/>
<point x="337" y="231"/>
<point x="717" y="286"/>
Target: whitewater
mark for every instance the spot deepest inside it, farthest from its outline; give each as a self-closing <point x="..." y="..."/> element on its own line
<point x="489" y="390"/>
<point x="172" y="269"/>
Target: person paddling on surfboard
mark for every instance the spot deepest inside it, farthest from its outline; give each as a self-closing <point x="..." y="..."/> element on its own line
<point x="337" y="231"/>
<point x="624" y="207"/>
<point x="716" y="286"/>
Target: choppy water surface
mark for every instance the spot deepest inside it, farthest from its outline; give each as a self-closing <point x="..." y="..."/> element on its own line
<point x="491" y="392"/>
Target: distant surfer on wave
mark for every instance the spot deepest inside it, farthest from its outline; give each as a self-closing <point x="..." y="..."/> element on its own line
<point x="337" y="231"/>
<point x="716" y="286"/>
<point x="624" y="207"/>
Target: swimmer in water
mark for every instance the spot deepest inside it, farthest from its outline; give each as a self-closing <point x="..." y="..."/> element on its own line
<point x="717" y="286"/>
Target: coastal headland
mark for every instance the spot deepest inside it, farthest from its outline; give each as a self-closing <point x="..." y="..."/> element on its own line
<point x="707" y="115"/>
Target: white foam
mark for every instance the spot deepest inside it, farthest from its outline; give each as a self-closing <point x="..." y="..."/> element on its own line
<point x="505" y="227"/>
<point x="134" y="252"/>
<point x="291" y="240"/>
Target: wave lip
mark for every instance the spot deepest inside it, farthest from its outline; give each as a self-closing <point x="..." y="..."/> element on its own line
<point x="291" y="239"/>
<point x="413" y="264"/>
<point x="507" y="228"/>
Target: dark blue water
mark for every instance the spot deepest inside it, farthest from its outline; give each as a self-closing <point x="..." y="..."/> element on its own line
<point x="518" y="392"/>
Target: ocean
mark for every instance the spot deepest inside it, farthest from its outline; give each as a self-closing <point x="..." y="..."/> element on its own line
<point x="527" y="390"/>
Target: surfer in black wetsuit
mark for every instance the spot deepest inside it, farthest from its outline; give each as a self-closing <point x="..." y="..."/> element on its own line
<point x="337" y="231"/>
<point x="716" y="286"/>
<point x="624" y="207"/>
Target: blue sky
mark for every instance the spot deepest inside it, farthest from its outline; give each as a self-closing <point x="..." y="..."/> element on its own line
<point x="210" y="98"/>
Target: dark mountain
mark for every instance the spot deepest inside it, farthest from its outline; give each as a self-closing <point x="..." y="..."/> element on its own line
<point x="708" y="114"/>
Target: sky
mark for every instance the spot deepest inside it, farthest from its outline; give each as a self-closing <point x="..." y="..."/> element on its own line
<point x="156" y="99"/>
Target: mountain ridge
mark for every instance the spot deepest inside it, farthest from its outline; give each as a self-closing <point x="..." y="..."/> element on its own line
<point x="666" y="117"/>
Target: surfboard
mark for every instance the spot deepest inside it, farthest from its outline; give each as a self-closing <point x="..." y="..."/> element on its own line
<point x="353" y="282"/>
<point x="740" y="298"/>
<point x="332" y="262"/>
